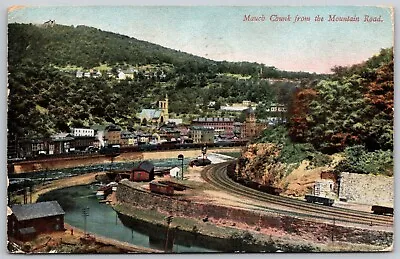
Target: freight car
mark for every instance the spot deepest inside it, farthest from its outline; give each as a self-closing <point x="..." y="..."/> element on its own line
<point x="382" y="210"/>
<point x="253" y="185"/>
<point x="176" y="186"/>
<point x="160" y="188"/>
<point x="317" y="199"/>
<point x="270" y="189"/>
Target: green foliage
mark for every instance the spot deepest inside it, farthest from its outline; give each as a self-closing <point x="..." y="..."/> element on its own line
<point x="353" y="107"/>
<point x="292" y="152"/>
<point x="359" y="160"/>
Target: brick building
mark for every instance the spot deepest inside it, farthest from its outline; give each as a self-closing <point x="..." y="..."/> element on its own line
<point x="222" y="126"/>
<point x="112" y="135"/>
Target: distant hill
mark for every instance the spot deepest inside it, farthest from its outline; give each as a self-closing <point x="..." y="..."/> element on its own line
<point x="87" y="47"/>
<point x="45" y="97"/>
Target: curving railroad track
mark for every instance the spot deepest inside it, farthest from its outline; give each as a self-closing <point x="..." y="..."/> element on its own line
<point x="216" y="175"/>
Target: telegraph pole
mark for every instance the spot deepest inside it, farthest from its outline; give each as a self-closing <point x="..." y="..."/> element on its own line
<point x="85" y="213"/>
<point x="181" y="157"/>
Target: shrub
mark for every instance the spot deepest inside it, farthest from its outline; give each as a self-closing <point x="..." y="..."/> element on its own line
<point x="358" y="160"/>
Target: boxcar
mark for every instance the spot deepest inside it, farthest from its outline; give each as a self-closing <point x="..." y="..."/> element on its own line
<point x="270" y="189"/>
<point x="317" y="199"/>
<point x="176" y="186"/>
<point x="382" y="210"/>
<point x="161" y="188"/>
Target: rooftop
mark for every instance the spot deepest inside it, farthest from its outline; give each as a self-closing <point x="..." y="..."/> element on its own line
<point x="213" y="120"/>
<point x="37" y="210"/>
<point x="145" y="166"/>
<point x="150" y="113"/>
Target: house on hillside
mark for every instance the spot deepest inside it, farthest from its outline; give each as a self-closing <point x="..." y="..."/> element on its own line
<point x="121" y="75"/>
<point x="79" y="74"/>
<point x="29" y="220"/>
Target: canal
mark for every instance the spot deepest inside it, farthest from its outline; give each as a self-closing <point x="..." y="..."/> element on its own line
<point x="104" y="221"/>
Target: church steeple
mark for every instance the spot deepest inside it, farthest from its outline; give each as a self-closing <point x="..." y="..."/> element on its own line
<point x="163" y="106"/>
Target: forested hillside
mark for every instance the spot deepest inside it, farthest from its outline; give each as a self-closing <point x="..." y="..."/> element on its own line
<point x="46" y="97"/>
<point x="89" y="47"/>
<point x="351" y="111"/>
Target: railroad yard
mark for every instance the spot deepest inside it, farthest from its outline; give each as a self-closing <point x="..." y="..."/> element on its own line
<point x="211" y="186"/>
<point x="211" y="202"/>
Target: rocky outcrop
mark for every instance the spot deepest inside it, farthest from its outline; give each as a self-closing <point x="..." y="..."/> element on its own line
<point x="258" y="163"/>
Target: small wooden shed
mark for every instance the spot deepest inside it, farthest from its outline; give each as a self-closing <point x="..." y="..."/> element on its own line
<point x="143" y="172"/>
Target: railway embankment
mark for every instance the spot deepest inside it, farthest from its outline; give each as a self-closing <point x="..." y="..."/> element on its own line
<point x="290" y="229"/>
<point x="96" y="159"/>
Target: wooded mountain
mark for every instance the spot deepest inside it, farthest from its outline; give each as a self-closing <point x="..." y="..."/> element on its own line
<point x="45" y="98"/>
<point x="89" y="47"/>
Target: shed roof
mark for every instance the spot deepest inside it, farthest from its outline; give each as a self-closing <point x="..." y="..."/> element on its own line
<point x="145" y="166"/>
<point x="37" y="210"/>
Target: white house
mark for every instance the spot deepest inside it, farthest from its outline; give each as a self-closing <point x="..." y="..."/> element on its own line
<point x="121" y="75"/>
<point x="81" y="132"/>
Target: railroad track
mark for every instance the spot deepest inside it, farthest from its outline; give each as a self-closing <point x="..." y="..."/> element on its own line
<point x="217" y="176"/>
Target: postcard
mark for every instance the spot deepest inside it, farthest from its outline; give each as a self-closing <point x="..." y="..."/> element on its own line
<point x="201" y="129"/>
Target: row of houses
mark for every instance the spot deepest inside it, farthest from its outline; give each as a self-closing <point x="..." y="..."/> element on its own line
<point x="122" y="74"/>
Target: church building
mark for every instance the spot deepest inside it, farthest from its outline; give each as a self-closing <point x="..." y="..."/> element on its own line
<point x="155" y="116"/>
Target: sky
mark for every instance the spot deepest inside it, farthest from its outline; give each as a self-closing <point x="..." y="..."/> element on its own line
<point x="219" y="33"/>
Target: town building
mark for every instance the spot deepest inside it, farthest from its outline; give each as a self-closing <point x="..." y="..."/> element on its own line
<point x="60" y="143"/>
<point x="202" y="134"/>
<point x="251" y="128"/>
<point x="276" y="113"/>
<point x="29" y="220"/>
<point x="128" y="139"/>
<point x="155" y="116"/>
<point x="84" y="142"/>
<point x="222" y="126"/>
<point x="82" y="132"/>
<point x="238" y="107"/>
<point x="112" y="135"/>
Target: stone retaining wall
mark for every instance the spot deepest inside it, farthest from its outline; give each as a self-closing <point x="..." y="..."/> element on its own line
<point x="127" y="193"/>
<point x="367" y="189"/>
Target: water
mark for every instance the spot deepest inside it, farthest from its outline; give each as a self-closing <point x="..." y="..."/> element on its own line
<point x="103" y="220"/>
